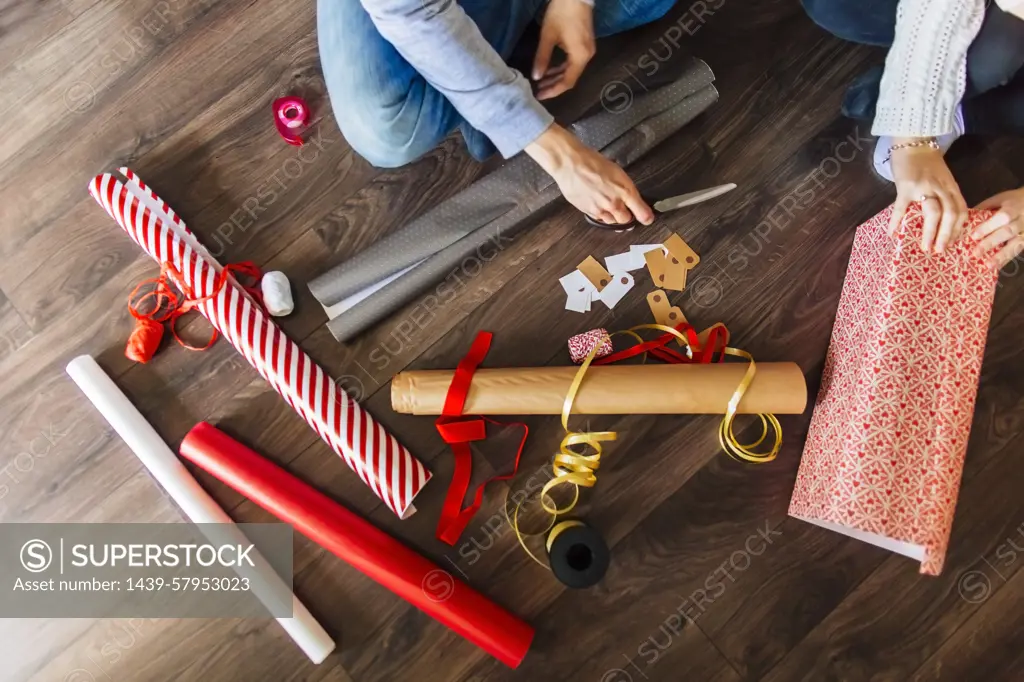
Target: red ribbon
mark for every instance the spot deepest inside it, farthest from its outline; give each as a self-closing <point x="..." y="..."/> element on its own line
<point x="168" y="306"/>
<point x="459" y="431"/>
<point x="659" y="347"/>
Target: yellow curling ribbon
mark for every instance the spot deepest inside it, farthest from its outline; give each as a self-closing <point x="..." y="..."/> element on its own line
<point x="514" y="522"/>
<point x="558" y="530"/>
<point x="575" y="468"/>
<point x="552" y="530"/>
<point x="578" y="469"/>
<point x="726" y="436"/>
<point x="570" y="467"/>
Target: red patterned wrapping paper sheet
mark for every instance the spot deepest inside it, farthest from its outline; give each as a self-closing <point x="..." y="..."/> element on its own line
<point x="376" y="456"/>
<point x="886" y="444"/>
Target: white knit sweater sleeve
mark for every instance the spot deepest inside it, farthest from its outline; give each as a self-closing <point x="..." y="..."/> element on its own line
<point x="926" y="70"/>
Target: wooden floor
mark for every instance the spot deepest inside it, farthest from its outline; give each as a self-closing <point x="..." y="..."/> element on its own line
<point x="181" y="92"/>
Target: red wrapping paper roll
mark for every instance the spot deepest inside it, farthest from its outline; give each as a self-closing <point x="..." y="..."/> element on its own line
<point x="359" y="543"/>
<point x="888" y="438"/>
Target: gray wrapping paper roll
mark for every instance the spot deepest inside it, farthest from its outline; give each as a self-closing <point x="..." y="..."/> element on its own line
<point x="477" y="221"/>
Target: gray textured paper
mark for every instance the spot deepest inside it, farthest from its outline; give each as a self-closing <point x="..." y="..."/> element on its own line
<point x="498" y="206"/>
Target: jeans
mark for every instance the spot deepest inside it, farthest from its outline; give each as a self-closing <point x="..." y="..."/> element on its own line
<point x="366" y="75"/>
<point x="994" y="98"/>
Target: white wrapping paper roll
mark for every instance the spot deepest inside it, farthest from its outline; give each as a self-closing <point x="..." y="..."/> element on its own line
<point x="172" y="475"/>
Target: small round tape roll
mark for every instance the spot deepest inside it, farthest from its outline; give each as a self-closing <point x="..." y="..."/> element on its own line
<point x="292" y="112"/>
<point x="291" y="115"/>
<point x="578" y="554"/>
<point x="277" y="293"/>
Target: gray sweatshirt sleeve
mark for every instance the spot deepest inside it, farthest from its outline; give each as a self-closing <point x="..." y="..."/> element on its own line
<point x="445" y="45"/>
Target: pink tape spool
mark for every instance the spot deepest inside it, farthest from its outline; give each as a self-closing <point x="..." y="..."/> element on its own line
<point x="290" y="115"/>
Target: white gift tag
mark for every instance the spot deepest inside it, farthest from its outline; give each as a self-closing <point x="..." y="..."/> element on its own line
<point x="623" y="262"/>
<point x="579" y="302"/>
<point x="579" y="291"/>
<point x="576" y="282"/>
<point x="637" y="251"/>
<point x="621" y="283"/>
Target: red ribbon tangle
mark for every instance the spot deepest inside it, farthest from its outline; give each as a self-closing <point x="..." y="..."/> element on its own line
<point x="717" y="340"/>
<point x="168" y="306"/>
<point x="459" y="431"/>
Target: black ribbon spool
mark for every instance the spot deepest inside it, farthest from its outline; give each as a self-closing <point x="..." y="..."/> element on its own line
<point x="578" y="554"/>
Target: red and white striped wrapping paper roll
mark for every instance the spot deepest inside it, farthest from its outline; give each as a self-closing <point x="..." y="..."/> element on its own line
<point x="374" y="454"/>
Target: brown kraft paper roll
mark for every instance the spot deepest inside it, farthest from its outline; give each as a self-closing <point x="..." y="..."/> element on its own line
<point x="778" y="388"/>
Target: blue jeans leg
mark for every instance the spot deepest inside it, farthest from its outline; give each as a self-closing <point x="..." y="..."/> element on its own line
<point x="617" y="16"/>
<point x="387" y="112"/>
<point x="996" y="56"/>
<point x="869" y="22"/>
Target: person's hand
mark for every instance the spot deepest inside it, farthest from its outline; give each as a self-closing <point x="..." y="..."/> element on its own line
<point x="569" y="24"/>
<point x="590" y="182"/>
<point x="921" y="175"/>
<point x="999" y="238"/>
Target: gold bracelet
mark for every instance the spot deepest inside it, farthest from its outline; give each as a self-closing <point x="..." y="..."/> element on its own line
<point x="924" y="142"/>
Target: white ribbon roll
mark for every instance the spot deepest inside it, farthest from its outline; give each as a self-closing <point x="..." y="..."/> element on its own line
<point x="277" y="293"/>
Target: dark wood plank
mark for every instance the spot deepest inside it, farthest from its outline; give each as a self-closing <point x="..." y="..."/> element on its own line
<point x="988" y="646"/>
